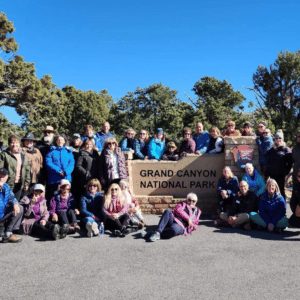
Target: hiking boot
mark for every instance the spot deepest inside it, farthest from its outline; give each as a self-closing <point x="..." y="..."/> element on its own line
<point x="64" y="229"/>
<point x="117" y="232"/>
<point x="76" y="227"/>
<point x="88" y="227"/>
<point x="11" y="239"/>
<point x="56" y="232"/>
<point x="155" y="236"/>
<point x="95" y="228"/>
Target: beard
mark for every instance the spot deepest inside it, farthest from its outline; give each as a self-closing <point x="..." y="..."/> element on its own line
<point x="48" y="139"/>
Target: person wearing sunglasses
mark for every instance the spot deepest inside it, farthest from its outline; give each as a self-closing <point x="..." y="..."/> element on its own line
<point x="183" y="219"/>
<point x="115" y="211"/>
<point x="63" y="209"/>
<point x="264" y="143"/>
<point x="171" y="153"/>
<point x="157" y="145"/>
<point x="36" y="216"/>
<point x="188" y="145"/>
<point x="91" y="207"/>
<point x="127" y="142"/>
<point x="296" y="160"/>
<point x="231" y="130"/>
<point x="112" y="164"/>
<point x="140" y="145"/>
<point x="280" y="161"/>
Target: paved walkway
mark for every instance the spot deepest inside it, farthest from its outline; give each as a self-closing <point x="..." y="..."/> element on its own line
<point x="212" y="263"/>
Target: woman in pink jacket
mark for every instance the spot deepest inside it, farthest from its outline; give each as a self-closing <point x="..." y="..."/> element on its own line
<point x="182" y="220"/>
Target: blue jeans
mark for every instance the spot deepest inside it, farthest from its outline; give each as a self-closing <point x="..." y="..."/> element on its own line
<point x="167" y="226"/>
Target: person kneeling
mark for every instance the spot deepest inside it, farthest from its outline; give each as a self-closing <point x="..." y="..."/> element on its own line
<point x="182" y="220"/>
<point x="244" y="203"/>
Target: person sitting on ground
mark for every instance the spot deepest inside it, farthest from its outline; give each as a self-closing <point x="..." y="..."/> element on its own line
<point x="103" y="135"/>
<point x="171" y="153"/>
<point x="280" y="161"/>
<point x="271" y="209"/>
<point x="128" y="141"/>
<point x="188" y="146"/>
<point x="216" y="142"/>
<point x="115" y="211"/>
<point x="265" y="143"/>
<point x="157" y="145"/>
<point x="183" y="219"/>
<point x="255" y="181"/>
<point x="231" y="131"/>
<point x="228" y="186"/>
<point x="60" y="164"/>
<point x="34" y="155"/>
<point x="247" y="130"/>
<point x="294" y="220"/>
<point x="112" y="164"/>
<point x="201" y="139"/>
<point x="89" y="134"/>
<point x="10" y="211"/>
<point x="18" y="165"/>
<point x="134" y="210"/>
<point x="91" y="207"/>
<point x="140" y="145"/>
<point x="244" y="203"/>
<point x="63" y="208"/>
<point x="36" y="216"/>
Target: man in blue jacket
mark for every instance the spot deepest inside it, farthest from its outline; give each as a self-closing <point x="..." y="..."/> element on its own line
<point x="10" y="211"/>
<point x="201" y="138"/>
<point x="103" y="135"/>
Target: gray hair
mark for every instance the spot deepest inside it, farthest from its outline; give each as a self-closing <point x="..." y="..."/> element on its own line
<point x="192" y="196"/>
<point x="271" y="180"/>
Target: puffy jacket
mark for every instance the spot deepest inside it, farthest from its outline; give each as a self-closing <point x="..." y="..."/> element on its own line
<point x="91" y="206"/>
<point x="59" y="159"/>
<point x="271" y="209"/>
<point x="264" y="145"/>
<point x="9" y="162"/>
<point x="156" y="148"/>
<point x="257" y="184"/>
<point x="140" y="149"/>
<point x="244" y="204"/>
<point x="280" y="161"/>
<point x="182" y="213"/>
<point x="7" y="198"/>
<point x="87" y="166"/>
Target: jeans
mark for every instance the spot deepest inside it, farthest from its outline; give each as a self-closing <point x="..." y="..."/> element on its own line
<point x="167" y="226"/>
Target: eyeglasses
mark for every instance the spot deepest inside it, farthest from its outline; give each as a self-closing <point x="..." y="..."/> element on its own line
<point x="142" y="133"/>
<point x="65" y="187"/>
<point x="260" y="126"/>
<point x="278" y="138"/>
<point x="265" y="132"/>
<point x="114" y="189"/>
<point x="93" y="185"/>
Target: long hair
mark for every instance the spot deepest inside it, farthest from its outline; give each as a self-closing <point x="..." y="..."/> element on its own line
<point x="231" y="175"/>
<point x="217" y="131"/>
<point x="94" y="181"/>
<point x="146" y="135"/>
<point x="86" y="141"/>
<point x="107" y="199"/>
<point x="277" y="189"/>
<point x="110" y="140"/>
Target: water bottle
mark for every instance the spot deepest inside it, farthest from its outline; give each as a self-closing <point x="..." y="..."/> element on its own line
<point x="101" y="230"/>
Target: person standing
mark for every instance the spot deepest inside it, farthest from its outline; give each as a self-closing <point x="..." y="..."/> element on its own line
<point x="104" y="135"/>
<point x="188" y="146"/>
<point x="201" y="139"/>
<point x="296" y="160"/>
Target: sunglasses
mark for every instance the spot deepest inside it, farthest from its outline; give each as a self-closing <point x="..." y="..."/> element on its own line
<point x="142" y="133"/>
<point x="93" y="185"/>
<point x="278" y="138"/>
<point x="190" y="200"/>
<point x="65" y="187"/>
<point x="38" y="191"/>
<point x="265" y="132"/>
<point x="114" y="189"/>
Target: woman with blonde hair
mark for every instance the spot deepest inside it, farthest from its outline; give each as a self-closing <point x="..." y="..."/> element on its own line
<point x="216" y="142"/>
<point x="128" y="141"/>
<point x="271" y="209"/>
<point x="140" y="145"/>
<point x="228" y="186"/>
<point x="112" y="164"/>
<point x="115" y="210"/>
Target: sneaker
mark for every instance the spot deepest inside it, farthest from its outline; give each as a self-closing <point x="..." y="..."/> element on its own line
<point x="95" y="228"/>
<point x="11" y="239"/>
<point x="71" y="230"/>
<point x="56" y="232"/>
<point x="64" y="229"/>
<point x="88" y="226"/>
<point x="117" y="232"/>
<point x="76" y="227"/>
<point x="155" y="236"/>
<point x="143" y="233"/>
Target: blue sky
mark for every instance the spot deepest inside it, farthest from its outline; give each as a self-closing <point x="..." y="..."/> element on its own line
<point x="118" y="45"/>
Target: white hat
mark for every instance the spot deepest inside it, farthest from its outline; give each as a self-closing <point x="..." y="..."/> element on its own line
<point x="39" y="186"/>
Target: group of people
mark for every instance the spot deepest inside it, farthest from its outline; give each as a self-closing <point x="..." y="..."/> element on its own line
<point x="46" y="186"/>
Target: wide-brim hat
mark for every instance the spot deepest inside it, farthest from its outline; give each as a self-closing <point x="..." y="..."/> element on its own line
<point x="29" y="136"/>
<point x="49" y="128"/>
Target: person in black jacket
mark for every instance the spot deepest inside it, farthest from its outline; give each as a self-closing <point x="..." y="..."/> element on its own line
<point x="244" y="203"/>
<point x="87" y="163"/>
<point x="294" y="220"/>
<point x="170" y="154"/>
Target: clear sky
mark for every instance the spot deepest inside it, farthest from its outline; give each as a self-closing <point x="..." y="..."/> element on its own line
<point x="120" y="45"/>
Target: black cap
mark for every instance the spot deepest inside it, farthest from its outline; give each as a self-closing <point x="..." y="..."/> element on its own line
<point x="3" y="171"/>
<point x="28" y="136"/>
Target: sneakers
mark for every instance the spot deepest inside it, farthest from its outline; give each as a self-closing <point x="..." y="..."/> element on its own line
<point x="88" y="227"/>
<point x="95" y="228"/>
<point x="63" y="231"/>
<point x="11" y="239"/>
<point x="55" y="232"/>
<point x="155" y="236"/>
<point x="143" y="233"/>
<point x="117" y="232"/>
<point x="76" y="227"/>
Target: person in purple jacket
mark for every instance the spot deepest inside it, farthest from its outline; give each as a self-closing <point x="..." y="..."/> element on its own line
<point x="201" y="138"/>
<point x="188" y="146"/>
<point x="183" y="219"/>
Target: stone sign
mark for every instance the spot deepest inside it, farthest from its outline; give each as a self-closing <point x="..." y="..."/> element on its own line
<point x="198" y="174"/>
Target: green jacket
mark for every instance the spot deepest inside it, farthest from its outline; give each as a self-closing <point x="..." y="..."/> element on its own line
<point x="9" y="162"/>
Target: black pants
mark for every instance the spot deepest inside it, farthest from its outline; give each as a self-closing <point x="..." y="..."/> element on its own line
<point x="280" y="179"/>
<point x="42" y="231"/>
<point x="66" y="217"/>
<point x="120" y="224"/>
<point x="11" y="222"/>
<point x="50" y="189"/>
<point x="18" y="192"/>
